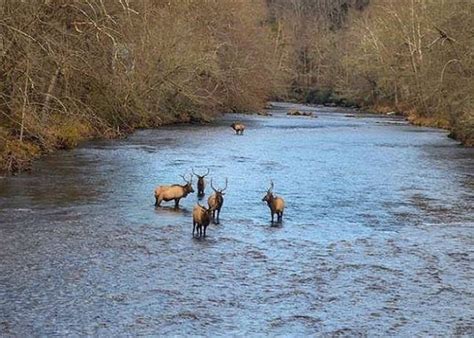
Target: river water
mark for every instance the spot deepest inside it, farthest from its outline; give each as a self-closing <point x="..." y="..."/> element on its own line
<point x="377" y="237"/>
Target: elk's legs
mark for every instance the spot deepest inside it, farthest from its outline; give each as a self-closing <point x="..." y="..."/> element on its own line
<point x="176" y="203"/>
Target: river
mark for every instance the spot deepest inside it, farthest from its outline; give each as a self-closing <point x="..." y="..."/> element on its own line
<point x="377" y="236"/>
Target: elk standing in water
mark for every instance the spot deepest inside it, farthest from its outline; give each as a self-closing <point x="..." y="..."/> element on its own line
<point x="173" y="192"/>
<point x="216" y="200"/>
<point x="275" y="203"/>
<point x="238" y="127"/>
<point x="201" y="219"/>
<point x="201" y="184"/>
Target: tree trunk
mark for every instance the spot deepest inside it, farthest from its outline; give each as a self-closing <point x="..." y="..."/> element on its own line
<point x="49" y="93"/>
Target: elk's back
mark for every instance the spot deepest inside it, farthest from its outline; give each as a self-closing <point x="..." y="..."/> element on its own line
<point x="200" y="216"/>
<point x="278" y="204"/>
<point x="168" y="192"/>
<point x="212" y="201"/>
<point x="197" y="213"/>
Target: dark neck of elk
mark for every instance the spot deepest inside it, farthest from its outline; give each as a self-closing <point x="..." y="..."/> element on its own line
<point x="201" y="182"/>
<point x="269" y="196"/>
<point x="188" y="187"/>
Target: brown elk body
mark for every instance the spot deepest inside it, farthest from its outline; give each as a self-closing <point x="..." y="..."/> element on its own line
<point x="238" y="128"/>
<point x="216" y="200"/>
<point x="201" y="183"/>
<point x="201" y="219"/>
<point x="173" y="192"/>
<point x="275" y="203"/>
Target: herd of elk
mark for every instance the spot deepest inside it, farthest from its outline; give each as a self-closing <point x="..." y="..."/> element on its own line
<point x="216" y="200"/>
<point x="173" y="192"/>
<point x="201" y="183"/>
<point x="202" y="216"/>
<point x="238" y="128"/>
<point x="275" y="203"/>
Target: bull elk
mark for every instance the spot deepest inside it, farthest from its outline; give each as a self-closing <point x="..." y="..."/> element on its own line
<point x="201" y="183"/>
<point x="275" y="203"/>
<point x="216" y="200"/>
<point x="173" y="192"/>
<point x="201" y="219"/>
<point x="238" y="128"/>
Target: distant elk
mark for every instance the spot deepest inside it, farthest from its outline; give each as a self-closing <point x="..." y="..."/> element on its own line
<point x="275" y="203"/>
<point x="238" y="127"/>
<point x="201" y="183"/>
<point x="216" y="200"/>
<point x="201" y="219"/>
<point x="173" y="192"/>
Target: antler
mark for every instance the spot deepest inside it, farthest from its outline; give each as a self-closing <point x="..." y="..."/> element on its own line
<point x="212" y="186"/>
<point x="271" y="186"/>
<point x="187" y="181"/>
<point x="217" y="189"/>
<point x="222" y="190"/>
<point x="202" y="176"/>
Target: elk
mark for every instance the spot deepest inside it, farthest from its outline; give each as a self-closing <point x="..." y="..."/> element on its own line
<point x="201" y="183"/>
<point x="201" y="219"/>
<point x="173" y="192"/>
<point x="216" y="200"/>
<point x="238" y="127"/>
<point x="275" y="203"/>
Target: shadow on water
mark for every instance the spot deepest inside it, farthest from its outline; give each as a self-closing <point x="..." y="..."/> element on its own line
<point x="376" y="238"/>
<point x="171" y="210"/>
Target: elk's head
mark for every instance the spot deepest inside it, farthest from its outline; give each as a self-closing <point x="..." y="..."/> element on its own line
<point x="188" y="187"/>
<point x="269" y="195"/>
<point x="201" y="177"/>
<point x="219" y="192"/>
<point x="207" y="211"/>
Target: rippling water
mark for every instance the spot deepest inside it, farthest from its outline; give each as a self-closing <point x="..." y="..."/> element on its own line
<point x="377" y="237"/>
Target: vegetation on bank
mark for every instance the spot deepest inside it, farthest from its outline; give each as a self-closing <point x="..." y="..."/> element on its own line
<point x="72" y="70"/>
<point x="413" y="57"/>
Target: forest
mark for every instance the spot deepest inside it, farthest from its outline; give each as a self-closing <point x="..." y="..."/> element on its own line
<point x="76" y="70"/>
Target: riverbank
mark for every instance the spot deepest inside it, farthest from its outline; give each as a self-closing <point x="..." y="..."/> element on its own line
<point x="17" y="154"/>
<point x="111" y="68"/>
<point x="460" y="129"/>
